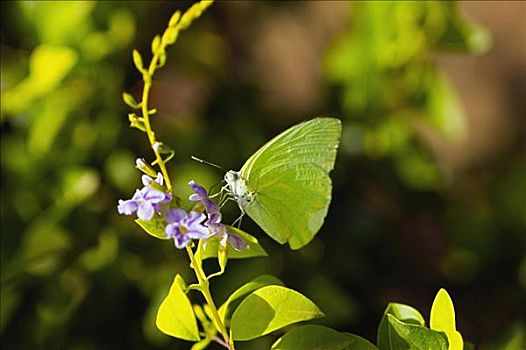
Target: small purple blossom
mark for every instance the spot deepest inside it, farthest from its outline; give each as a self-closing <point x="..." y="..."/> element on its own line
<point x="236" y="242"/>
<point x="183" y="226"/>
<point x="214" y="218"/>
<point x="145" y="201"/>
<point x="201" y="195"/>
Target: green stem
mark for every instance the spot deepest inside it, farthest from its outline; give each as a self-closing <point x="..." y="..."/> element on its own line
<point x="148" y="77"/>
<point x="205" y="290"/>
<point x="146" y="117"/>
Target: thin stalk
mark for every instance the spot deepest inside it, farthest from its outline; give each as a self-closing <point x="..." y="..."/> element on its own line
<point x="148" y="76"/>
<point x="205" y="290"/>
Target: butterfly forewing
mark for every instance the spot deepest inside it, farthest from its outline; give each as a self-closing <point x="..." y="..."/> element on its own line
<point x="289" y="176"/>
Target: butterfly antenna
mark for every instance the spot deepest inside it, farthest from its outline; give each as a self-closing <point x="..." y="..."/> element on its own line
<point x="207" y="162"/>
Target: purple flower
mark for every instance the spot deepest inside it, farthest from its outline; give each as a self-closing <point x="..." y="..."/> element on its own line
<point x="214" y="218"/>
<point x="237" y="242"/>
<point x="147" y="200"/>
<point x="183" y="226"/>
<point x="200" y="195"/>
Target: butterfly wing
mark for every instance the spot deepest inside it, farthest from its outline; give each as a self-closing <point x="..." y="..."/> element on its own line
<point x="290" y="178"/>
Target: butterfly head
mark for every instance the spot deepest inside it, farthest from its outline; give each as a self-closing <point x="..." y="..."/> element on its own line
<point x="237" y="187"/>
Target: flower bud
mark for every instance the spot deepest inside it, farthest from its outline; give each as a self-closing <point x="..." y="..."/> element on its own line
<point x="141" y="164"/>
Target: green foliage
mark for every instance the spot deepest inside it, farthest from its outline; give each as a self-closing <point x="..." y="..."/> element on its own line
<point x="154" y="226"/>
<point x="312" y="337"/>
<point x="75" y="275"/>
<point x="389" y="81"/>
<point x="403" y="335"/>
<point x="48" y="66"/>
<point x="176" y="316"/>
<point x="268" y="309"/>
<point x="443" y="319"/>
<point x="241" y="292"/>
<point x="403" y="327"/>
<point x="359" y="343"/>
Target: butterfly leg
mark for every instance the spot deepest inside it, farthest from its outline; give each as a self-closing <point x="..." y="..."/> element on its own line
<point x="239" y="219"/>
<point x="218" y="193"/>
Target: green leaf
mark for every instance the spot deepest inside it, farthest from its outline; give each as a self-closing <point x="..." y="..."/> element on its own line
<point x="403" y="313"/>
<point x="203" y="344"/>
<point x="461" y="33"/>
<point x="129" y="100"/>
<point x="176" y="316"/>
<point x="253" y="249"/>
<point x="268" y="309"/>
<point x="444" y="108"/>
<point x="259" y="282"/>
<point x="137" y="60"/>
<point x="155" y="44"/>
<point x="102" y="254"/>
<point x="43" y="244"/>
<point x="412" y="337"/>
<point x="443" y="319"/>
<point x="174" y="19"/>
<point x="155" y="226"/>
<point x="312" y="337"/>
<point x="78" y="185"/>
<point x="170" y="35"/>
<point x="48" y="66"/>
<point x="359" y="343"/>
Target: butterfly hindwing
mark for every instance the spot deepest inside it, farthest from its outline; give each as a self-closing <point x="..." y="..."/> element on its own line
<point x="289" y="176"/>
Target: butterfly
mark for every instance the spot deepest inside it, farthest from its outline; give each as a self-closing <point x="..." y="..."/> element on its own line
<point x="285" y="186"/>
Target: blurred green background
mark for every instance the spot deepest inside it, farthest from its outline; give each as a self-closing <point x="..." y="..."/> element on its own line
<point x="429" y="185"/>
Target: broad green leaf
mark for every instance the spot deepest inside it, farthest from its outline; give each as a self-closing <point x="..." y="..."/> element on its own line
<point x="155" y="226"/>
<point x="443" y="319"/>
<point x="403" y="313"/>
<point x="259" y="282"/>
<point x="312" y="337"/>
<point x="268" y="309"/>
<point x="404" y="336"/>
<point x="253" y="249"/>
<point x="176" y="316"/>
<point x="359" y="343"/>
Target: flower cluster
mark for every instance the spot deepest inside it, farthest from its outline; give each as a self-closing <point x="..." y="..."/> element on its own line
<point x="214" y="218"/>
<point x="147" y="200"/>
<point x="181" y="226"/>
